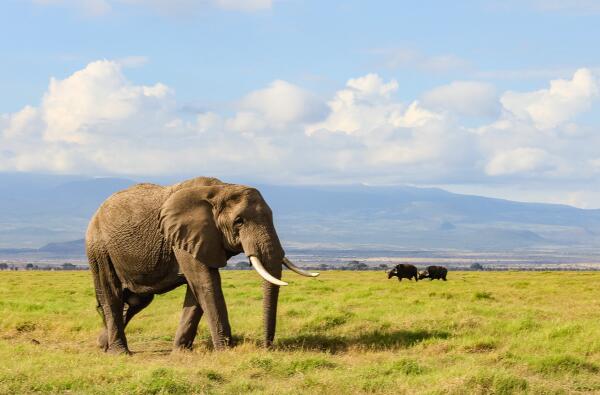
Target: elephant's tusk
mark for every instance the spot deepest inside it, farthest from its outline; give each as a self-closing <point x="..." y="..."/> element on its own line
<point x="296" y="269"/>
<point x="264" y="273"/>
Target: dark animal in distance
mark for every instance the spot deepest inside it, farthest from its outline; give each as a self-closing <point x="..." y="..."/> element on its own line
<point x="434" y="273"/>
<point x="403" y="270"/>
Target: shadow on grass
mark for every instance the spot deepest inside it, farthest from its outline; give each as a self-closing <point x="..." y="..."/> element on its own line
<point x="203" y="343"/>
<point x="375" y="340"/>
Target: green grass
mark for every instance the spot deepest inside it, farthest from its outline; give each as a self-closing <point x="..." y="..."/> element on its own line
<point x="345" y="332"/>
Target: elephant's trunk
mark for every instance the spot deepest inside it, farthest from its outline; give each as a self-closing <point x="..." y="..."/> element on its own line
<point x="266" y="256"/>
<point x="273" y="260"/>
<point x="271" y="296"/>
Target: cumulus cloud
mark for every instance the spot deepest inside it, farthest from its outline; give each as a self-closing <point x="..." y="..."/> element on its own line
<point x="97" y="96"/>
<point x="22" y="123"/>
<point x="518" y="160"/>
<point x="390" y="138"/>
<point x="96" y="121"/>
<point x="363" y="107"/>
<point x="282" y="102"/>
<point x="538" y="134"/>
<point x="549" y="108"/>
<point x="469" y="98"/>
<point x="79" y="116"/>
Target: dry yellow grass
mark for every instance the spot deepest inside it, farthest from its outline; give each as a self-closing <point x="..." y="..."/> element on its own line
<point x="345" y="332"/>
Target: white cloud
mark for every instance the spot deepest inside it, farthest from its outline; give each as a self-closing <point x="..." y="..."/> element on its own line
<point x="518" y="160"/>
<point x="96" y="121"/>
<point x="469" y="98"/>
<point x="282" y="102"/>
<point x="208" y="121"/>
<point x="388" y="133"/>
<point x="22" y="123"/>
<point x="413" y="117"/>
<point x="549" y="108"/>
<point x="538" y="135"/>
<point x="246" y="122"/>
<point x="97" y="96"/>
<point x="363" y="107"/>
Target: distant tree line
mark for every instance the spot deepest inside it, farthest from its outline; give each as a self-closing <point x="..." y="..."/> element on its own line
<point x="353" y="265"/>
<point x="350" y="265"/>
<point x="33" y="266"/>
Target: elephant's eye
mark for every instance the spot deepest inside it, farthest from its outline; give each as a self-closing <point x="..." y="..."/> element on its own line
<point x="238" y="221"/>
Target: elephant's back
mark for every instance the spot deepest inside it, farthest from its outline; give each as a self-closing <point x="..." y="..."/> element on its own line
<point x="132" y="205"/>
<point x="127" y="225"/>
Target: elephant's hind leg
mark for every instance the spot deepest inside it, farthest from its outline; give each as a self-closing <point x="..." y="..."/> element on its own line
<point x="188" y="326"/>
<point x="109" y="294"/>
<point x="134" y="303"/>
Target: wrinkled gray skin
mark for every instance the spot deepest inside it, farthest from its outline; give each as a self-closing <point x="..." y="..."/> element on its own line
<point x="150" y="239"/>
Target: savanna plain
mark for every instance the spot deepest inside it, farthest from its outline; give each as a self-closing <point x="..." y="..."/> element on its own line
<point x="344" y="332"/>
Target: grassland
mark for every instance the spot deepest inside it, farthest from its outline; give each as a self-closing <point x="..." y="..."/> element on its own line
<point x="345" y="332"/>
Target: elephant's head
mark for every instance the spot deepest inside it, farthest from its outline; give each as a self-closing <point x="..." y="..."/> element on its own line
<point x="216" y="222"/>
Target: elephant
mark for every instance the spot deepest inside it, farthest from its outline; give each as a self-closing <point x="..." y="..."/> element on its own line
<point x="403" y="270"/>
<point x="434" y="273"/>
<point x="150" y="239"/>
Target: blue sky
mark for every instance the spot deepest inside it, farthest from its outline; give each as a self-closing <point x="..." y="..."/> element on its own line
<point x="207" y="53"/>
<point x="434" y="93"/>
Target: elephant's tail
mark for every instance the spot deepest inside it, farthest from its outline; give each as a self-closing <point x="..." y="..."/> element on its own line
<point x="103" y="272"/>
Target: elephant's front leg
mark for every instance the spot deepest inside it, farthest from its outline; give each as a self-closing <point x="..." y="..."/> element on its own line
<point x="188" y="326"/>
<point x="205" y="284"/>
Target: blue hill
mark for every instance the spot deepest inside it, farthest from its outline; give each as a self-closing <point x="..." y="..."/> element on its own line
<point x="39" y="209"/>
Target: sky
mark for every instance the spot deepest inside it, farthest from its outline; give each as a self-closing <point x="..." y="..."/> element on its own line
<point x="497" y="98"/>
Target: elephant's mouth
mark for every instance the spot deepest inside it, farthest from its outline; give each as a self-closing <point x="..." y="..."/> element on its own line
<point x="260" y="269"/>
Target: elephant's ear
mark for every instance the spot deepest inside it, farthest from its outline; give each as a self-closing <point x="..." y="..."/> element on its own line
<point x="187" y="222"/>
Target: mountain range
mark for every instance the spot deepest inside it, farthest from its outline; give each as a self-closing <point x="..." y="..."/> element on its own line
<point x="38" y="210"/>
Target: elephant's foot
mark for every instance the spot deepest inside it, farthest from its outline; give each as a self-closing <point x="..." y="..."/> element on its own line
<point x="183" y="346"/>
<point x="268" y="344"/>
<point x="223" y="343"/>
<point x="118" y="348"/>
<point x="102" y="341"/>
<point x="184" y="340"/>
